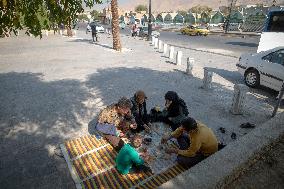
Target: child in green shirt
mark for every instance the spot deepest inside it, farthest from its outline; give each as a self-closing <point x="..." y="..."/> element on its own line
<point x="128" y="157"/>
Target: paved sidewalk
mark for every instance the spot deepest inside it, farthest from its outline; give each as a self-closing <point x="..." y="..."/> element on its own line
<point x="52" y="88"/>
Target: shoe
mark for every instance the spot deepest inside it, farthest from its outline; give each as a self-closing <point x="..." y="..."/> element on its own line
<point x="234" y="136"/>
<point x="222" y="129"/>
<point x="247" y="125"/>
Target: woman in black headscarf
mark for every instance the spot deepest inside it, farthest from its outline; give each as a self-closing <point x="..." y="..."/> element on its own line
<point x="175" y="111"/>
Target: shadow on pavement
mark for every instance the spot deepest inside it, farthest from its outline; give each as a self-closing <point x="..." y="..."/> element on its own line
<point x="235" y="77"/>
<point x="36" y="114"/>
<point x="243" y="44"/>
<point x="232" y="76"/>
<point x="89" y="41"/>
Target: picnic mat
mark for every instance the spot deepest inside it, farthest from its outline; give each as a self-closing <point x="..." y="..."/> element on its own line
<point x="91" y="162"/>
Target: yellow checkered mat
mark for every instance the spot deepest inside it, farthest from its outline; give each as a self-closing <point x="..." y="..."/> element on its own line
<point x="91" y="164"/>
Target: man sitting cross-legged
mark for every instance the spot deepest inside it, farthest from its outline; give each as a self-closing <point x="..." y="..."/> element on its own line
<point x="128" y="159"/>
<point x="114" y="121"/>
<point x="196" y="142"/>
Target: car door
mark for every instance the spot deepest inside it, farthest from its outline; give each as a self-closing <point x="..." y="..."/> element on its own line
<point x="272" y="69"/>
<point x="190" y="30"/>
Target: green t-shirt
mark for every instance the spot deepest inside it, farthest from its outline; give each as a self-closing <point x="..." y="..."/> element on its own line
<point x="126" y="157"/>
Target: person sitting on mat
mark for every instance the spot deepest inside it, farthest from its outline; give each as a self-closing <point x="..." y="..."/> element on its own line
<point x="128" y="159"/>
<point x="175" y="111"/>
<point x="139" y="111"/>
<point x="196" y="142"/>
<point x="114" y="121"/>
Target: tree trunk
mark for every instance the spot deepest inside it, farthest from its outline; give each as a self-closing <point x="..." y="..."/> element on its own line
<point x="69" y="28"/>
<point x="115" y="26"/>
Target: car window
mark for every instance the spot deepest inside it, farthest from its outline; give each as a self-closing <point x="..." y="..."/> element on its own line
<point x="276" y="57"/>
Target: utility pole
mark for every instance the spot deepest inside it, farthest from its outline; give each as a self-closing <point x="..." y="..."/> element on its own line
<point x="150" y="21"/>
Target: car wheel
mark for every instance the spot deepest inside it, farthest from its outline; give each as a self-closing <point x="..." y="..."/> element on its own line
<point x="252" y="78"/>
<point x="198" y="34"/>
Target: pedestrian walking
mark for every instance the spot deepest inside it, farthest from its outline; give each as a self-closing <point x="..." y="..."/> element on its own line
<point x="94" y="32"/>
<point x="134" y="30"/>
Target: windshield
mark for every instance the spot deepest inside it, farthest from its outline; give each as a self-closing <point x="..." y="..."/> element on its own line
<point x="201" y="27"/>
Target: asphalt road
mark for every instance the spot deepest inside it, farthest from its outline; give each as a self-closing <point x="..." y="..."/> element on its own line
<point x="219" y="43"/>
<point x="225" y="44"/>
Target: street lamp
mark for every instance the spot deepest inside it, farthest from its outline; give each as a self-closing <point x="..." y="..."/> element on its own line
<point x="150" y="21"/>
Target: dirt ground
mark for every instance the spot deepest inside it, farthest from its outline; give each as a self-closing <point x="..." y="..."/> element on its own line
<point x="267" y="172"/>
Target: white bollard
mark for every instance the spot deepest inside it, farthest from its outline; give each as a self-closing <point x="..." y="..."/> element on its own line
<point x="207" y="80"/>
<point x="171" y="52"/>
<point x="156" y="43"/>
<point x="160" y="46"/>
<point x="46" y="33"/>
<point x="75" y="32"/>
<point x="165" y="49"/>
<point x="153" y="40"/>
<point x="239" y="98"/>
<point x="189" y="67"/>
<point x="178" y="58"/>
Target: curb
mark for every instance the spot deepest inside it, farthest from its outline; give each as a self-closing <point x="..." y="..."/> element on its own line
<point x="222" y="167"/>
<point x="199" y="50"/>
<point x="221" y="33"/>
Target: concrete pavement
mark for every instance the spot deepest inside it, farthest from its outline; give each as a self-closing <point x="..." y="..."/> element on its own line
<point x="52" y="88"/>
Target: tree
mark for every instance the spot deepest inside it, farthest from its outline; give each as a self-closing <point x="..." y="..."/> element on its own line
<point x="115" y="25"/>
<point x="83" y="17"/>
<point x="95" y="15"/>
<point x="199" y="9"/>
<point x="39" y="14"/>
<point x="182" y="12"/>
<point x="140" y="8"/>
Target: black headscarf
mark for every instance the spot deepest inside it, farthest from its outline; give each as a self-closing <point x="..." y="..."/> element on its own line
<point x="174" y="108"/>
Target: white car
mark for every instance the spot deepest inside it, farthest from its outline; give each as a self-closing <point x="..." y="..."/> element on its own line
<point x="100" y="28"/>
<point x="265" y="68"/>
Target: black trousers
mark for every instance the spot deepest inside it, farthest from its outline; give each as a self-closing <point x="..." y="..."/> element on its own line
<point x="184" y="144"/>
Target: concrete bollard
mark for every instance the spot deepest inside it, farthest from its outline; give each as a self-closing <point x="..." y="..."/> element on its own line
<point x="178" y="58"/>
<point x="189" y="66"/>
<point x="207" y="80"/>
<point x="156" y="43"/>
<point x="46" y="33"/>
<point x="171" y="52"/>
<point x="165" y="49"/>
<point x="153" y="40"/>
<point x="160" y="46"/>
<point x="75" y="32"/>
<point x="239" y="98"/>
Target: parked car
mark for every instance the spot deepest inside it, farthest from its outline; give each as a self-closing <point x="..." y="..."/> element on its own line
<point x="100" y="28"/>
<point x="195" y="30"/>
<point x="265" y="68"/>
<point x="143" y="32"/>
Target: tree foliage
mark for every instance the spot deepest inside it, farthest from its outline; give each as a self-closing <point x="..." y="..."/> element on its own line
<point x="182" y="12"/>
<point x="95" y="15"/>
<point x="199" y="9"/>
<point x="83" y="17"/>
<point x="140" y="8"/>
<point x="35" y="15"/>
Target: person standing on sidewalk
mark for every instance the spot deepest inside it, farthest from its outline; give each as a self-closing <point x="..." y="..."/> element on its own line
<point x="94" y="32"/>
<point x="134" y="30"/>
